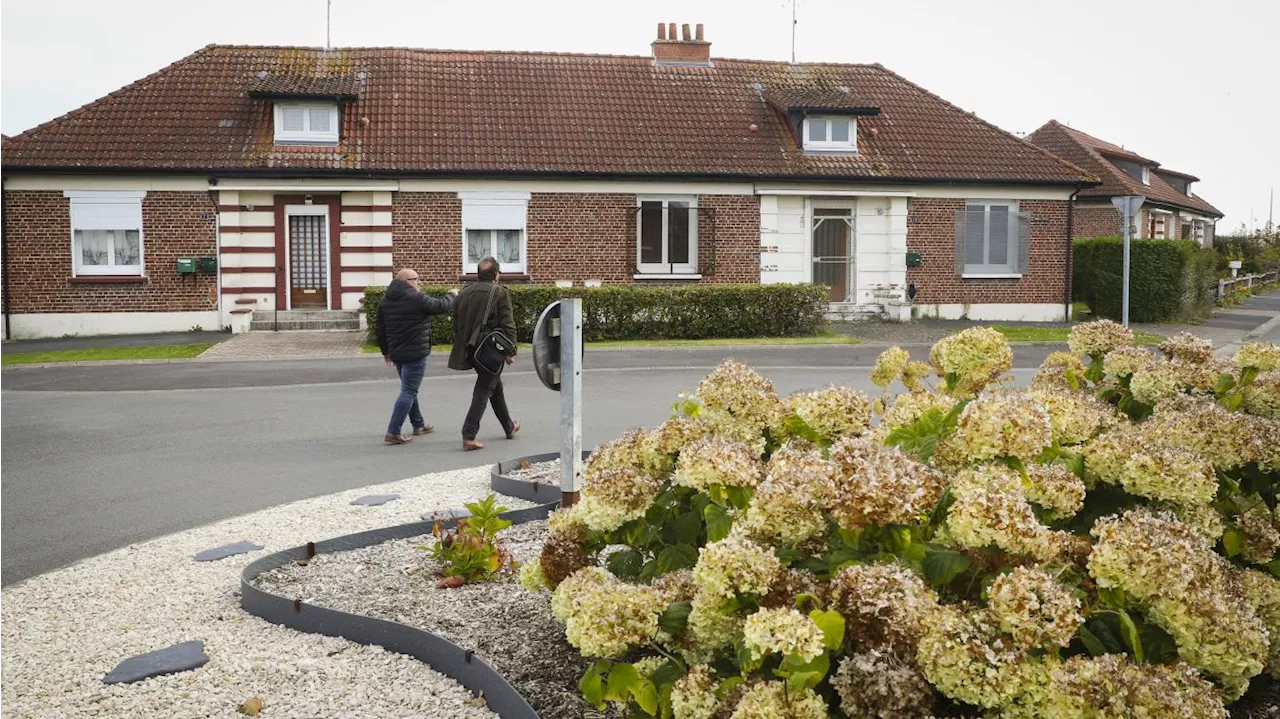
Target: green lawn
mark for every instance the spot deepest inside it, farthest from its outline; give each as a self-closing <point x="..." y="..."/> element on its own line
<point x="1057" y="334"/>
<point x="107" y="353"/>
<point x="823" y="338"/>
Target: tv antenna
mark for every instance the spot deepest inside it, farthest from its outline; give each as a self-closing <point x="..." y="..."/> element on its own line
<point x="328" y="21"/>
<point x="793" y="32"/>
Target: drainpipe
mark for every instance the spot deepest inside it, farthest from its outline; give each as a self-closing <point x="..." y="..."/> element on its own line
<point x="217" y="248"/>
<point x="1071" y="232"/>
<point x="4" y="251"/>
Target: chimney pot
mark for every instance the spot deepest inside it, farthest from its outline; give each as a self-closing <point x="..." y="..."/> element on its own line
<point x="698" y="32"/>
<point x="671" y="31"/>
<point x="662" y="31"/>
<point x="684" y="33"/>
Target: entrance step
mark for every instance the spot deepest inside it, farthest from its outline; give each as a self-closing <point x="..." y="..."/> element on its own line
<point x="317" y="320"/>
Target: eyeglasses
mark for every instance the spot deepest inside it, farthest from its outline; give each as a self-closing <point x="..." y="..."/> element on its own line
<point x="412" y="279"/>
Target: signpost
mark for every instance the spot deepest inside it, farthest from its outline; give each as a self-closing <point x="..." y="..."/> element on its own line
<point x="1128" y="207"/>
<point x="557" y="360"/>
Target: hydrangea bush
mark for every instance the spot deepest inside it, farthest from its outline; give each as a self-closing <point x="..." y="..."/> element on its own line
<point x="1099" y="544"/>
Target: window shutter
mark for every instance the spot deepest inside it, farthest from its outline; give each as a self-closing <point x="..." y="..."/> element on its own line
<point x="1022" y="227"/>
<point x="494" y="210"/>
<point x="961" y="216"/>
<point x="89" y="215"/>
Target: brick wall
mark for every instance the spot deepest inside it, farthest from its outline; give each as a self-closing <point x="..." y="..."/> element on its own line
<point x="931" y="231"/>
<point x="39" y="235"/>
<point x="1097" y="222"/>
<point x="576" y="236"/>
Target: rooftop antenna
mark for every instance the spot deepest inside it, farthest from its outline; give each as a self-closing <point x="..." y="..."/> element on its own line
<point x="328" y="21"/>
<point x="793" y="32"/>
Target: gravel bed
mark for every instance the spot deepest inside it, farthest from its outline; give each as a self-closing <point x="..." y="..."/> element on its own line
<point x="538" y="472"/>
<point x="507" y="625"/>
<point x="61" y="632"/>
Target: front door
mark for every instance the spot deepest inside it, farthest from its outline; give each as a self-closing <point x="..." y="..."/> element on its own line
<point x="832" y="232"/>
<point x="308" y="260"/>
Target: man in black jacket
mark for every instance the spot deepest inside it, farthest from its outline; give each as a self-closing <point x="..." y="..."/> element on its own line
<point x="403" y="328"/>
<point x="483" y="305"/>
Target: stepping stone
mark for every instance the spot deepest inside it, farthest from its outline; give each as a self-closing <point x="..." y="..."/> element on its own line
<point x="373" y="500"/>
<point x="446" y="514"/>
<point x="177" y="658"/>
<point x="227" y="550"/>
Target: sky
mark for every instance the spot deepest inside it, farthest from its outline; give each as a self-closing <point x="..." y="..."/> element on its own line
<point x="1193" y="85"/>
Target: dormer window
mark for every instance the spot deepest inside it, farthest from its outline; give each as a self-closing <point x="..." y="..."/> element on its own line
<point x="306" y="123"/>
<point x="831" y="132"/>
<point x="1146" y="175"/>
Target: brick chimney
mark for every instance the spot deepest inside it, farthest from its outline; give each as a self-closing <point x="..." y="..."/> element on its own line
<point x="685" y="50"/>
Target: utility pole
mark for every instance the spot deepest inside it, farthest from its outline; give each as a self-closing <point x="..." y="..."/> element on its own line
<point x="1271" y="206"/>
<point x="328" y="21"/>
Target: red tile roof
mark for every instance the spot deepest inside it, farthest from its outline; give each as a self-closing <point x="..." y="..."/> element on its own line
<point x="1091" y="154"/>
<point x="496" y="113"/>
<point x="303" y="86"/>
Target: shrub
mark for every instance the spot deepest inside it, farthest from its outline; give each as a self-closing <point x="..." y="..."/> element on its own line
<point x="1168" y="279"/>
<point x="1058" y="551"/>
<point x="621" y="312"/>
<point x="470" y="551"/>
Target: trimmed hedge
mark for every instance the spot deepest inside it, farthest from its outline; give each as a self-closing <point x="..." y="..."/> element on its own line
<point x="627" y="312"/>
<point x="1168" y="279"/>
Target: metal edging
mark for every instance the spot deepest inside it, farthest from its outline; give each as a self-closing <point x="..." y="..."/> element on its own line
<point x="432" y="649"/>
<point x="520" y="489"/>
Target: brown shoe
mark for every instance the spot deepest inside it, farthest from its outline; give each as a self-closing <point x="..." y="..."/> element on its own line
<point x="397" y="438"/>
<point x="470" y="444"/>
<point x="515" y="427"/>
<point x="424" y="429"/>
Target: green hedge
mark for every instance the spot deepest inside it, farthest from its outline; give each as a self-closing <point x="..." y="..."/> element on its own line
<point x="1168" y="279"/>
<point x="626" y="312"/>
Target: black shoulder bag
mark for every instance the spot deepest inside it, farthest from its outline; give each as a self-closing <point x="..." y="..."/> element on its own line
<point x="490" y="347"/>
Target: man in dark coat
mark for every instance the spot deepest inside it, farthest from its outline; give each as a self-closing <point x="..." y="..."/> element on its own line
<point x="403" y="328"/>
<point x="470" y="321"/>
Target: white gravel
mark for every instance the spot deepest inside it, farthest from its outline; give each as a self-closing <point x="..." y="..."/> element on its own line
<point x="64" y="630"/>
<point x="538" y="472"/>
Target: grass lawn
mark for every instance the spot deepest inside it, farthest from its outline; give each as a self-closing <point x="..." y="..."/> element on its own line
<point x="107" y="353"/>
<point x="822" y="338"/>
<point x="1059" y="334"/>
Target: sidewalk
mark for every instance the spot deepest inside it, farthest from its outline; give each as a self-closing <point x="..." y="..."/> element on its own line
<point x="53" y="344"/>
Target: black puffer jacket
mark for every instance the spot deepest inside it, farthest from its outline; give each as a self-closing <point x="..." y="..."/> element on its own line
<point x="403" y="322"/>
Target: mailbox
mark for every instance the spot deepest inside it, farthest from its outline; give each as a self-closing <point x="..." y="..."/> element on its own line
<point x="208" y="265"/>
<point x="186" y="265"/>
<point x="914" y="259"/>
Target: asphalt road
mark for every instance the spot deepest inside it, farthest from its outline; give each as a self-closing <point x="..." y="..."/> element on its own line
<point x="100" y="457"/>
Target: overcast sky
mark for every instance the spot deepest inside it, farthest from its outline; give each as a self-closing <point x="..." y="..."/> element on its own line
<point x="1193" y="85"/>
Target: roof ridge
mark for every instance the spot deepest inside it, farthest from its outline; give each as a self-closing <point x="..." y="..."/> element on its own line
<point x="93" y="103"/>
<point x="1117" y="174"/>
<point x="1085" y="174"/>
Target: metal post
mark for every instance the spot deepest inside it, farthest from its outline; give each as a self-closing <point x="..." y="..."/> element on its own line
<point x="570" y="400"/>
<point x="1124" y="300"/>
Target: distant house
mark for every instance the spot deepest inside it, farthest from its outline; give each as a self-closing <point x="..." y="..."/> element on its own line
<point x="1170" y="211"/>
<point x="303" y="175"/>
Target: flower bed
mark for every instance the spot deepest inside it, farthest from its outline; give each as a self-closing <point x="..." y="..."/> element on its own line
<point x="1102" y="543"/>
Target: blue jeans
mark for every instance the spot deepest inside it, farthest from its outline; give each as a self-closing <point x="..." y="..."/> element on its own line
<point x="411" y="374"/>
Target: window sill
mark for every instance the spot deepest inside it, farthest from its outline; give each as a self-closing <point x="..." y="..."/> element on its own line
<point x="110" y="280"/>
<point x="994" y="276"/>
<point x="678" y="276"/>
<point x="517" y="278"/>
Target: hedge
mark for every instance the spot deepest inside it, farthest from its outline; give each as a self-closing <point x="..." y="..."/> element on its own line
<point x="624" y="312"/>
<point x="1168" y="279"/>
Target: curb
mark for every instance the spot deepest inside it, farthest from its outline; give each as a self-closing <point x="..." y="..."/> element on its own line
<point x="1262" y="329"/>
<point x="519" y="488"/>
<point x="461" y="665"/>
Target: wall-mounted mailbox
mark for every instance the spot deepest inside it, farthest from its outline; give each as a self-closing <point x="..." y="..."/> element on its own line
<point x="186" y="265"/>
<point x="208" y="265"/>
<point x="914" y="259"/>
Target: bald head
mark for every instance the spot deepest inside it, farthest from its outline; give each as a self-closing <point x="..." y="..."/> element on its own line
<point x="407" y="275"/>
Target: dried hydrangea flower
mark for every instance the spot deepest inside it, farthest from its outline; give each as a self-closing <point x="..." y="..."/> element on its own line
<point x="884" y="605"/>
<point x="608" y="619"/>
<point x="771" y="700"/>
<point x="693" y="696"/>
<point x="1206" y="428"/>
<point x="1003" y="424"/>
<point x="1261" y="540"/>
<point x="1052" y="373"/>
<point x="1075" y="417"/>
<point x="612" y="497"/>
<point x="737" y="396"/>
<point x="568" y="590"/>
<point x="991" y="509"/>
<point x="881" y="485"/>
<point x="1262" y="591"/>
<point x="889" y="366"/>
<point x="1097" y="338"/>
<point x="1034" y="608"/>
<point x="966" y="656"/>
<point x="561" y="556"/>
<point x="531" y="577"/>
<point x="1055" y="488"/>
<point x="790" y="583"/>
<point x="712" y="625"/>
<point x="1111" y="685"/>
<point x="909" y="406"/>
<point x="677" y="586"/>
<point x="791" y="505"/>
<point x="1265" y="357"/>
<point x="1203" y="518"/>
<point x="1187" y="347"/>
<point x="914" y="373"/>
<point x="1156" y="383"/>
<point x="716" y="460"/>
<point x="1126" y="360"/>
<point x="669" y="439"/>
<point x="735" y="565"/>
<point x="1262" y="397"/>
<point x="974" y="357"/>
<point x="626" y="452"/>
<point x="782" y="631"/>
<point x="879" y="683"/>
<point x="834" y="412"/>
<point x="1151" y="470"/>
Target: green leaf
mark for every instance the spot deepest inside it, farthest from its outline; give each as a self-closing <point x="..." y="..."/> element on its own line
<point x="1157" y="644"/>
<point x="832" y="625"/>
<point x="746" y="661"/>
<point x="799" y="681"/>
<point x="1131" y="635"/>
<point x="1225" y="383"/>
<point x="728" y="685"/>
<point x="943" y="565"/>
<point x="645" y="692"/>
<point x="739" y="497"/>
<point x="1091" y="643"/>
<point x="795" y="425"/>
<point x="1094" y="372"/>
<point x="621" y="677"/>
<point x="801" y="675"/>
<point x="898" y="540"/>
<point x="718" y="522"/>
<point x="1112" y="596"/>
<point x="675" y="617"/>
<point x="626" y="563"/>
<point x="679" y="556"/>
<point x="592" y="684"/>
<point x="1074" y="462"/>
<point x="1105" y="626"/>
<point x="939" y="513"/>
<point x="667" y="673"/>
<point x="1233" y="542"/>
<point x="1273" y="567"/>
<point x="688" y="526"/>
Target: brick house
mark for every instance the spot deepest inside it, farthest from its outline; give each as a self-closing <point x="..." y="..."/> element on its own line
<point x="1170" y="211"/>
<point x="301" y="175"/>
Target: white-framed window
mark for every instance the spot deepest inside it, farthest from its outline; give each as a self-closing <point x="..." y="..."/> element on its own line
<point x="1160" y="225"/>
<point x="667" y="235"/>
<point x="830" y="132"/>
<point x="306" y="123"/>
<point x="106" y="232"/>
<point x="494" y="225"/>
<point x="992" y="239"/>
